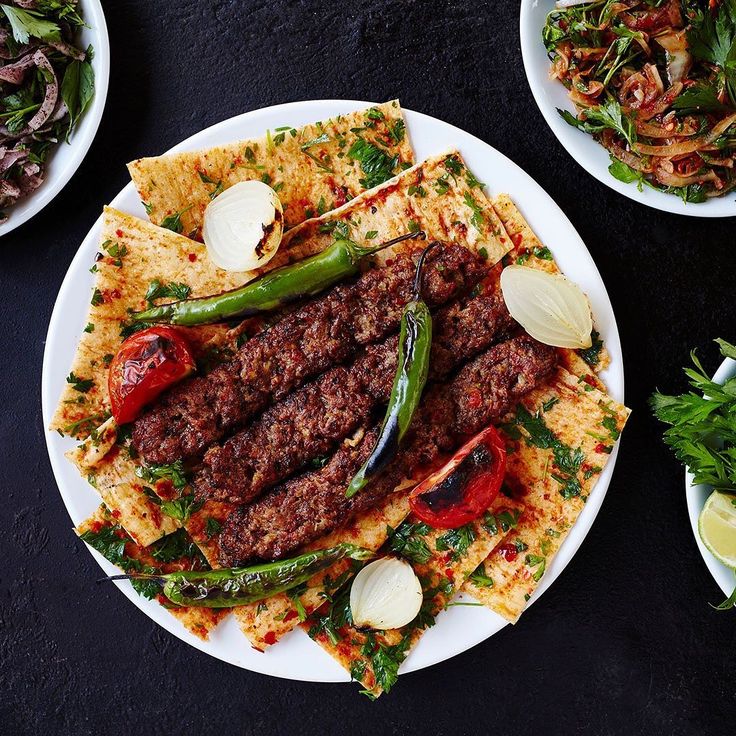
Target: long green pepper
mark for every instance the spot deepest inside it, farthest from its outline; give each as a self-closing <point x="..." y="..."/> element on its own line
<point x="237" y="586"/>
<point x="273" y="290"/>
<point x="415" y="343"/>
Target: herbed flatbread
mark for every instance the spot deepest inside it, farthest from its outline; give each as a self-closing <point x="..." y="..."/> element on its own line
<point x="557" y="450"/>
<point x="199" y="621"/>
<point x="313" y="169"/>
<point x="453" y="556"/>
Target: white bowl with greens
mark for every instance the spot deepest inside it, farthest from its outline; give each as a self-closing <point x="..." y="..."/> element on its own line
<point x="54" y="71"/>
<point x="698" y="494"/>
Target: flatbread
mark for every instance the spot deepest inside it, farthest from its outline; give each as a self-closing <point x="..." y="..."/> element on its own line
<point x="309" y="179"/>
<point x="580" y="417"/>
<point x="441" y="576"/>
<point x="439" y="195"/>
<point x="199" y="621"/>
<point x="134" y="253"/>
<point x="266" y="622"/>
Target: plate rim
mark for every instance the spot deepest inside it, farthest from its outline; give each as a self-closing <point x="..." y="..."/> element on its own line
<point x="571" y="544"/>
<point x="695" y="494"/>
<point x="81" y="140"/>
<point x="576" y="143"/>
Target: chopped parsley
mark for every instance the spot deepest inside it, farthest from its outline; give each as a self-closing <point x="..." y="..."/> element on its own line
<point x="408" y="541"/>
<point x="377" y="166"/>
<point x="173" y="290"/>
<point x="83" y="385"/>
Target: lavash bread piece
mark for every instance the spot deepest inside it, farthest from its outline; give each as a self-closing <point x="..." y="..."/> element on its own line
<point x="199" y="621"/>
<point x="309" y="167"/>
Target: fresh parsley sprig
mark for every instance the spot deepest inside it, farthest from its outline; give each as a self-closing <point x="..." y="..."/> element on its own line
<point x="702" y="431"/>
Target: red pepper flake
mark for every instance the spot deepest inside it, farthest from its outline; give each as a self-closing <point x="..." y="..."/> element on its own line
<point x="590" y="380"/>
<point x="270" y="638"/>
<point x="602" y="449"/>
<point x="516" y="239"/>
<point x="192" y="257"/>
<point x="115" y="294"/>
<point x="119" y="233"/>
<point x="95" y="526"/>
<point x="508" y="552"/>
<point x="450" y="574"/>
<point x="120" y="534"/>
<point x="290" y="615"/>
<point x="116" y="513"/>
<point x="165" y="489"/>
<point x="475" y="399"/>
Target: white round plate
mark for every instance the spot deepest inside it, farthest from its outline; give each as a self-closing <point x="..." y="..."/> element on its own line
<point x="551" y="95"/>
<point x="458" y="628"/>
<point x="696" y="497"/>
<point x="66" y="157"/>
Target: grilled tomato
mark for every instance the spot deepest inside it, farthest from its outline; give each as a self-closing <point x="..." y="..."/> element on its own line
<point x="462" y="489"/>
<point x="148" y="362"/>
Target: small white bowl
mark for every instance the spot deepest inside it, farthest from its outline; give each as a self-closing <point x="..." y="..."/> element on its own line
<point x="696" y="498"/>
<point x="551" y="95"/>
<point x="66" y="157"/>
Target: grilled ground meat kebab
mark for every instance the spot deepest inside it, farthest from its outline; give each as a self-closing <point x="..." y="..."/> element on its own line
<point x="306" y="507"/>
<point x="311" y="421"/>
<point x="323" y="333"/>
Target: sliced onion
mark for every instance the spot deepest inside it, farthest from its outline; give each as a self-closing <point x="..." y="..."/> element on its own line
<point x="386" y="594"/>
<point x="243" y="226"/>
<point x="695" y="144"/>
<point x="550" y="308"/>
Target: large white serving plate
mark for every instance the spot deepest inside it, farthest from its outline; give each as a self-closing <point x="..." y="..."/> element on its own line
<point x="460" y="627"/>
<point x="550" y="95"/>
<point x="697" y="495"/>
<point x="65" y="159"/>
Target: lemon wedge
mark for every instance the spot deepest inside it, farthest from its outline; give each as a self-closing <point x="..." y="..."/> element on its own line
<point x="717" y="527"/>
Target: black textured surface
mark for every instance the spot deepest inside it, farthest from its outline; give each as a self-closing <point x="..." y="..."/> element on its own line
<point x="623" y="643"/>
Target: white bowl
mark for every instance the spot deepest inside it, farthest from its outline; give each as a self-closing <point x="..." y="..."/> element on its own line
<point x="696" y="498"/>
<point x="66" y="157"/>
<point x="551" y="95"/>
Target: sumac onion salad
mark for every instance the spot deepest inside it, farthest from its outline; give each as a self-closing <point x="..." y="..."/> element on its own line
<point x="46" y="83"/>
<point x="654" y="81"/>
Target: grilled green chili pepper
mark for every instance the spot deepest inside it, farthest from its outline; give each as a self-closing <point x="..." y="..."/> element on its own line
<point x="415" y="341"/>
<point x="237" y="586"/>
<point x="273" y="290"/>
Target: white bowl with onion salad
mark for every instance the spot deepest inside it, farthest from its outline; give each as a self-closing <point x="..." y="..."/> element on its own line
<point x="552" y="96"/>
<point x="44" y="177"/>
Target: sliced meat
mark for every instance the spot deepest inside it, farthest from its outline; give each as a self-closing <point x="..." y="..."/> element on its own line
<point x="319" y="335"/>
<point x="306" y="507"/>
<point x="311" y="421"/>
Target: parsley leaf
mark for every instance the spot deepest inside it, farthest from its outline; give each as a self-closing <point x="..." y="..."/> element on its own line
<point x="377" y="166"/>
<point x="606" y="115"/>
<point x="27" y="23"/>
<point x="83" y="385"/>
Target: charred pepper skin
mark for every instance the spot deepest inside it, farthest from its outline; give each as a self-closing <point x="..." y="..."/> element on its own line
<point x="415" y="342"/>
<point x="275" y="289"/>
<point x="229" y="587"/>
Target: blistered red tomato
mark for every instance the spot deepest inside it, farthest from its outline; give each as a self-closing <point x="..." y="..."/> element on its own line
<point x="148" y="362"/>
<point x="464" y="488"/>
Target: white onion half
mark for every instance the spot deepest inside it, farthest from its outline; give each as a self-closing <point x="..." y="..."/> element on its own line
<point x="243" y="226"/>
<point x="550" y="308"/>
<point x="386" y="594"/>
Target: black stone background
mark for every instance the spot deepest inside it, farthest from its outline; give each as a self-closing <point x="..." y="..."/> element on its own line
<point x="623" y="643"/>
